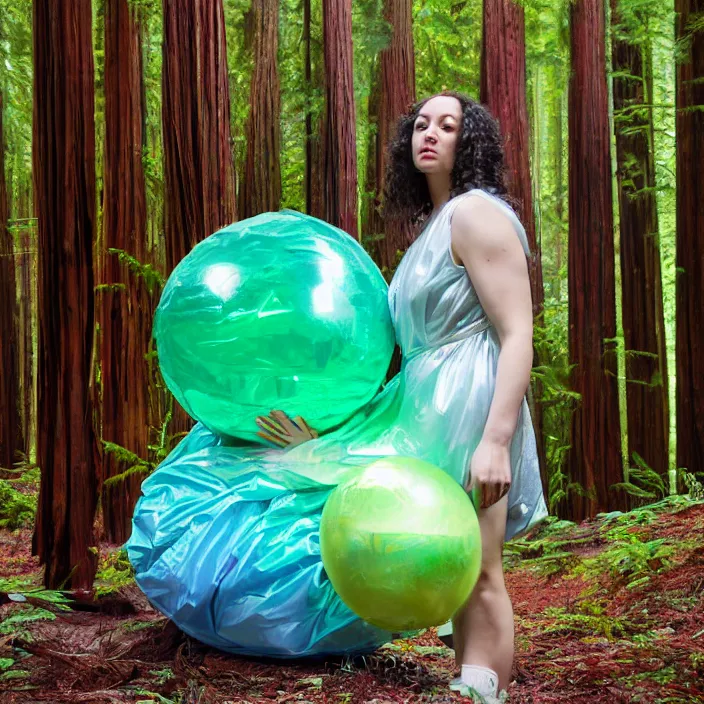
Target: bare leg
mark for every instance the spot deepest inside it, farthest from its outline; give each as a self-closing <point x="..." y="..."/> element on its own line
<point x="483" y="628"/>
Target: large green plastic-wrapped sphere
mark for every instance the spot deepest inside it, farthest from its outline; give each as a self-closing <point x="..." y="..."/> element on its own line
<point x="279" y="311"/>
<point x="400" y="543"/>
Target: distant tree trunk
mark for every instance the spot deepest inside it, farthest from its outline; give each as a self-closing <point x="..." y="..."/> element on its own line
<point x="690" y="239"/>
<point x="340" y="149"/>
<point x="200" y="185"/>
<point x="10" y="425"/>
<point x="64" y="180"/>
<point x="559" y="189"/>
<point x="503" y="90"/>
<point x="372" y="222"/>
<point x="642" y="302"/>
<point x="26" y="261"/>
<point x="595" y="457"/>
<point x="314" y="150"/>
<point x="25" y="242"/>
<point x="126" y="304"/>
<point x="394" y="96"/>
<point x="260" y="190"/>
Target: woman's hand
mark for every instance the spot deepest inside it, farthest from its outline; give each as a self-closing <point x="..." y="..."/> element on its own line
<point x="490" y="472"/>
<point x="280" y="430"/>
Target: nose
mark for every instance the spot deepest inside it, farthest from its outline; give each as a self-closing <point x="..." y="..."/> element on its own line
<point x="430" y="136"/>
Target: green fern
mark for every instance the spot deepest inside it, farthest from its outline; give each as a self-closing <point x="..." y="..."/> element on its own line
<point x="114" y="572"/>
<point x="143" y="465"/>
<point x="15" y="623"/>
<point x="16" y="508"/>
<point x="694" y="487"/>
<point x="152" y="277"/>
<point x="643" y="481"/>
<point x="628" y="561"/>
<point x="585" y="624"/>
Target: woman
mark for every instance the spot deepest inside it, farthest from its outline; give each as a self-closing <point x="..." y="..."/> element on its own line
<point x="461" y="306"/>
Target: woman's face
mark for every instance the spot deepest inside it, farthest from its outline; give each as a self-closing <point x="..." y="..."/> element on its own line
<point x="435" y="134"/>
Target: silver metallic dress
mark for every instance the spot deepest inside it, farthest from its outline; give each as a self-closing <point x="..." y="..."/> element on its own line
<point x="437" y="406"/>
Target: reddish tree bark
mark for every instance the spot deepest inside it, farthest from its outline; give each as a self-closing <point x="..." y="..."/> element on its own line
<point x="200" y="185"/>
<point x="595" y="456"/>
<point x="503" y="90"/>
<point x="63" y="156"/>
<point x="260" y="190"/>
<point x="642" y="302"/>
<point x="339" y="142"/>
<point x="690" y="239"/>
<point x="392" y="95"/>
<point x="314" y="150"/>
<point x="200" y="191"/>
<point x="127" y="308"/>
<point x="10" y="426"/>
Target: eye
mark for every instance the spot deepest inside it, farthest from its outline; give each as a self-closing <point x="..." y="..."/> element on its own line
<point x="420" y="125"/>
<point x="448" y="128"/>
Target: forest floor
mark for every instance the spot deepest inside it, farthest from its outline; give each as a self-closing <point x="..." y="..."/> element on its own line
<point x="611" y="610"/>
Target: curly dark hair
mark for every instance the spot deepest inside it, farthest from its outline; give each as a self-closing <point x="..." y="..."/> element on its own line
<point x="479" y="161"/>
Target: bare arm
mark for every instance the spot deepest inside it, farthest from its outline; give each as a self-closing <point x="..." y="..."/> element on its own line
<point x="485" y="242"/>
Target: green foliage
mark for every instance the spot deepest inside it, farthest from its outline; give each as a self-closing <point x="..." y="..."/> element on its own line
<point x="162" y="676"/>
<point x="630" y="559"/>
<point x="239" y="66"/>
<point x="16" y="509"/>
<point x="694" y="486"/>
<point x="595" y="624"/>
<point x="297" y="97"/>
<point x="114" y="573"/>
<point x="16" y="84"/>
<point x="643" y="481"/>
<point x="150" y="13"/>
<point x="158" y="450"/>
<point x="557" y="399"/>
<point x="136" y="464"/>
<point x="152" y="277"/>
<point x="447" y="37"/>
<point x="18" y="494"/>
<point x="17" y="622"/>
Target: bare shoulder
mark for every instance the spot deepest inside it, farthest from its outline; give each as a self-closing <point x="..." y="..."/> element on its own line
<point x="478" y="222"/>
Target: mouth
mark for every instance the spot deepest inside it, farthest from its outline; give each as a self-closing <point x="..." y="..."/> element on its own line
<point x="427" y="153"/>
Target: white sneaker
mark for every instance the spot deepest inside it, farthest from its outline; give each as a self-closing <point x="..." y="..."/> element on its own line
<point x="466" y="691"/>
<point x="477" y="681"/>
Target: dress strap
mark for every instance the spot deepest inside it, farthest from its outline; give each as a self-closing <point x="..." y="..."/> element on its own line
<point x="452" y="204"/>
<point x="505" y="208"/>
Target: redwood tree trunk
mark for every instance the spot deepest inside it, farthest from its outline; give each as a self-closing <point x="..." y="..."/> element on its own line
<point x="395" y="94"/>
<point x="196" y="122"/>
<point x="339" y="145"/>
<point x="595" y="456"/>
<point x="126" y="310"/>
<point x="260" y="190"/>
<point x="200" y="192"/>
<point x="63" y="157"/>
<point x="10" y="425"/>
<point x="642" y="302"/>
<point x="314" y="149"/>
<point x="503" y="90"/>
<point x="690" y="241"/>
